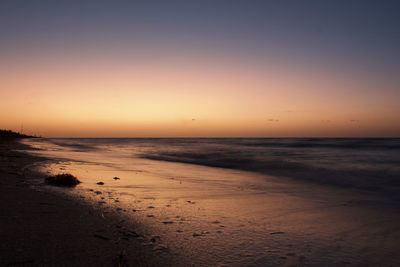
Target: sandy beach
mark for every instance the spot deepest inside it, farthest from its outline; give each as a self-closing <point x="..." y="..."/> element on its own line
<point x="44" y="228"/>
<point x="160" y="213"/>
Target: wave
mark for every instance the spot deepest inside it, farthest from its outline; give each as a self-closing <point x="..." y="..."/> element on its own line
<point x="75" y="144"/>
<point x="334" y="143"/>
<point x="374" y="165"/>
<point x="365" y="163"/>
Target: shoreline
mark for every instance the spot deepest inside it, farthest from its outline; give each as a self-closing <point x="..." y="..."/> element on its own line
<point x="173" y="214"/>
<point x="45" y="228"/>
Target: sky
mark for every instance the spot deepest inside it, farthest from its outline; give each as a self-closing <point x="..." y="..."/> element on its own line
<point x="200" y="68"/>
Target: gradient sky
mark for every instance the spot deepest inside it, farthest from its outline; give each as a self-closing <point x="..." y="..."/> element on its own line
<point x="200" y="68"/>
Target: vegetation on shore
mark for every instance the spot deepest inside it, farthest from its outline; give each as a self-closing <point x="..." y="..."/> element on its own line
<point x="63" y="179"/>
<point x="10" y="135"/>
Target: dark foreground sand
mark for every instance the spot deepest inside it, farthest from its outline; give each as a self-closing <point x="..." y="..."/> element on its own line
<point x="41" y="228"/>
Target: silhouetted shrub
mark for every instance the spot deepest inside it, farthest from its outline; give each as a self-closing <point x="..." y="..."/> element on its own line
<point x="64" y="179"/>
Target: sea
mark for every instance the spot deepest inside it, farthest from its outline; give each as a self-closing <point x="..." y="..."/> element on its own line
<point x="244" y="201"/>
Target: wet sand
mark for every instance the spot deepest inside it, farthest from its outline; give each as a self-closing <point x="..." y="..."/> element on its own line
<point x="44" y="228"/>
<point x="214" y="216"/>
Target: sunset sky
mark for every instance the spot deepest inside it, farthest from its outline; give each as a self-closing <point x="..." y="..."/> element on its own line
<point x="200" y="68"/>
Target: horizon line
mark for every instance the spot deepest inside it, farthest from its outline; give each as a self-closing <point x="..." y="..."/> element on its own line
<point x="228" y="137"/>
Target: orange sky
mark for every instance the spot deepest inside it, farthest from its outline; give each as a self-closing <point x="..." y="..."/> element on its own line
<point x="200" y="96"/>
<point x="95" y="73"/>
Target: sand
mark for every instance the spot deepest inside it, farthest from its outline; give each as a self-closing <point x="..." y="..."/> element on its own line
<point x="42" y="228"/>
<point x="172" y="214"/>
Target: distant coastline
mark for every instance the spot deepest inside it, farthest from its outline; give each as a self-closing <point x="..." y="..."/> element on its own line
<point x="10" y="135"/>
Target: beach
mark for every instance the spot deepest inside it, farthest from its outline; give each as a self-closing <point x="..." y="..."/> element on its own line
<point x="159" y="213"/>
<point x="135" y="211"/>
<point x="44" y="228"/>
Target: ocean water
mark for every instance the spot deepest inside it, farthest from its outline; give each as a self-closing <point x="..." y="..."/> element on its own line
<point x="362" y="163"/>
<point x="245" y="202"/>
<point x="368" y="163"/>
